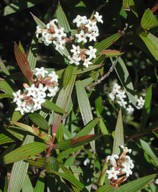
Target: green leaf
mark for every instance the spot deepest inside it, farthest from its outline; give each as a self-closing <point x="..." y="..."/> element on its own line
<point x="38" y="21"/>
<point x="63" y="100"/>
<point x="65" y="153"/>
<point x="105" y="188"/>
<point x="146" y="108"/>
<point x="32" y="55"/>
<point x="84" y="103"/>
<point x="40" y="184"/>
<point x="147" y="149"/>
<point x="70" y="177"/>
<point x="23" y="63"/>
<point x="104" y="44"/>
<point x="19" y="171"/>
<point x="137" y="184"/>
<point x="149" y="20"/>
<point x="16" y="116"/>
<point x="27" y="186"/>
<point x="90" y="68"/>
<point x="4" y="68"/>
<point x="130" y="5"/>
<point x="125" y="79"/>
<point x="5" y="139"/>
<point x="3" y="95"/>
<point x="18" y="6"/>
<point x="87" y="129"/>
<point x="151" y="42"/>
<point x="127" y="4"/>
<point x="38" y="162"/>
<point x="52" y="106"/>
<point x="111" y="53"/>
<point x="51" y="164"/>
<point x="119" y="135"/>
<point x="5" y="87"/>
<point x="71" y="143"/>
<point x="63" y="22"/>
<point x="24" y="152"/>
<point x="33" y="130"/>
<point x="68" y="75"/>
<point x="38" y="120"/>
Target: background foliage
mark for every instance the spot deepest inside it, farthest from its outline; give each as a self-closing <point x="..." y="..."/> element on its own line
<point x="88" y="125"/>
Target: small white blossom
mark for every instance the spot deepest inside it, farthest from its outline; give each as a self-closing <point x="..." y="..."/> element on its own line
<point x="17" y="96"/>
<point x="112" y="173"/>
<point x="91" y="52"/>
<point x="98" y="17"/>
<point x="80" y="20"/>
<point x="40" y="72"/>
<point x="81" y="37"/>
<point x="140" y="102"/>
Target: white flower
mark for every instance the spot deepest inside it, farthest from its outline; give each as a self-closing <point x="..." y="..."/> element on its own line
<point x="80" y="20"/>
<point x="39" y="30"/>
<point x="140" y="102"/>
<point x="37" y="103"/>
<point x="53" y="76"/>
<point x="41" y="91"/>
<point x="91" y="52"/>
<point x="121" y="95"/>
<point x="47" y="38"/>
<point x="130" y="109"/>
<point x="31" y="91"/>
<point x="21" y="107"/>
<point x="112" y="159"/>
<point x="52" y="91"/>
<point x="17" y="96"/>
<point x="112" y="173"/>
<point x="126" y="149"/>
<point x="87" y="62"/>
<point x="59" y="33"/>
<point x="91" y="25"/>
<point x="40" y="72"/>
<point x="81" y="37"/>
<point x="98" y="17"/>
<point x="86" y="162"/>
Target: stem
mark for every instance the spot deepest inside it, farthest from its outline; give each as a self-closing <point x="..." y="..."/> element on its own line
<point x="102" y="175"/>
<point x="104" y="76"/>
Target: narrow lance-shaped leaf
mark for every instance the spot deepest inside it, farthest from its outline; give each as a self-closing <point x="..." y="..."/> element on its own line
<point x="38" y="21"/>
<point x="125" y="79"/>
<point x="5" y="87"/>
<point x="23" y="63"/>
<point x="111" y="53"/>
<point x="24" y="152"/>
<point x="63" y="22"/>
<point x="147" y="149"/>
<point x="19" y="171"/>
<point x="104" y="44"/>
<point x="70" y="143"/>
<point x="118" y="135"/>
<point x="63" y="100"/>
<point x="137" y="184"/>
<point x="33" y="130"/>
<point x="151" y="42"/>
<point x="149" y="20"/>
<point x="84" y="103"/>
<point x="146" y="108"/>
<point x="38" y="120"/>
<point x="32" y="55"/>
<point x="70" y="177"/>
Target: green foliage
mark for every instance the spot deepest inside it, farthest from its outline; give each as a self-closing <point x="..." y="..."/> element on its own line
<point x="64" y="145"/>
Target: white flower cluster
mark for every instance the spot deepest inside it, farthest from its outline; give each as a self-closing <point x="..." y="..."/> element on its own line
<point x="119" y="167"/>
<point x="87" y="31"/>
<point x="33" y="96"/>
<point x="118" y="95"/>
<point x="52" y="34"/>
<point x="87" y="28"/>
<point x="82" y="55"/>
